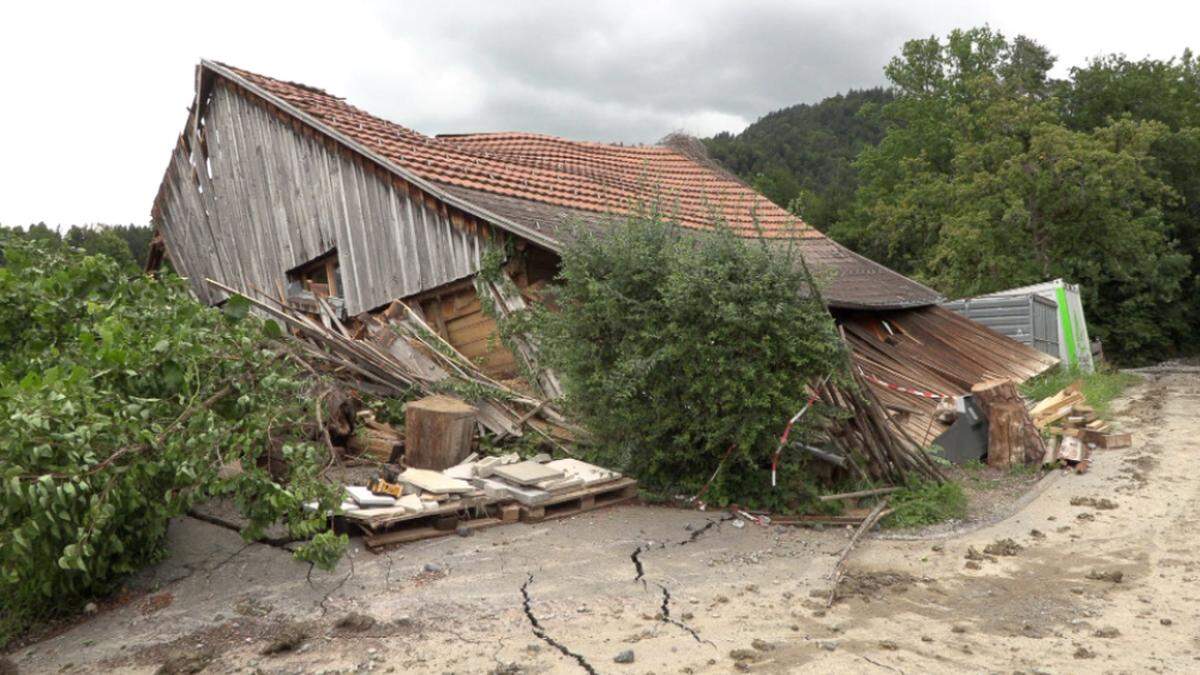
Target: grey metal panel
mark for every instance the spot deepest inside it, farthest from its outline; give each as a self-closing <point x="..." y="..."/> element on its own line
<point x="1045" y="325"/>
<point x="1029" y="319"/>
<point x="1007" y="316"/>
<point x="278" y="198"/>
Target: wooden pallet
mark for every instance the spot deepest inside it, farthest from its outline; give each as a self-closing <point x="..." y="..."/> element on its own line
<point x="439" y="524"/>
<point x="581" y="500"/>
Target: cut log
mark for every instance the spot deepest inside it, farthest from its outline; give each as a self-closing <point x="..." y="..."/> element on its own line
<point x="1013" y="440"/>
<point x="437" y="432"/>
<point x="379" y="444"/>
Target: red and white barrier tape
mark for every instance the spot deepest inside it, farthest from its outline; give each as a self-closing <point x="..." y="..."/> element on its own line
<point x="906" y="390"/>
<point x="787" y="430"/>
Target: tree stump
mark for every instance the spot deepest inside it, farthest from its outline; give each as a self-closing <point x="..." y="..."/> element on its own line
<point x="1013" y="440"/>
<point x="438" y="431"/>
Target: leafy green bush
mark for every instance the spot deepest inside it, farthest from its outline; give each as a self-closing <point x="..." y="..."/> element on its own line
<point x="1099" y="387"/>
<point x="121" y="401"/>
<point x="675" y="346"/>
<point x="925" y="504"/>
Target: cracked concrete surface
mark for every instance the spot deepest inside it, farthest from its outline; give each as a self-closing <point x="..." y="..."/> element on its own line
<point x="621" y="578"/>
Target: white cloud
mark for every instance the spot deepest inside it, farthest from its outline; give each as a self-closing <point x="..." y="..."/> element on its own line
<point x="94" y="94"/>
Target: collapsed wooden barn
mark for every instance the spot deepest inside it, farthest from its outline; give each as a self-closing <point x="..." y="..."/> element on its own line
<point x="281" y="190"/>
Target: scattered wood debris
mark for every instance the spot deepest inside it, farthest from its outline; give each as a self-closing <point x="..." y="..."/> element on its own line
<point x="394" y="352"/>
<point x="1075" y="429"/>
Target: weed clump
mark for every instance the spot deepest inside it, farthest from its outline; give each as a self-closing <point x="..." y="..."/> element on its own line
<point x="926" y="503"/>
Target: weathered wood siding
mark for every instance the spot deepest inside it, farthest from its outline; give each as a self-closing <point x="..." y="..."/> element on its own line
<point x="249" y="196"/>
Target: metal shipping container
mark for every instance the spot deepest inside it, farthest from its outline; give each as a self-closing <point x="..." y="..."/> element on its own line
<point x="1029" y="318"/>
<point x="1074" y="345"/>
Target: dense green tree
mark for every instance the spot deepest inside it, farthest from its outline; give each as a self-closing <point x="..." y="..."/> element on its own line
<point x="1167" y="91"/>
<point x="679" y="350"/>
<point x="979" y="186"/>
<point x="102" y="240"/>
<point x="123" y="402"/>
<point x="129" y="245"/>
<point x="137" y="237"/>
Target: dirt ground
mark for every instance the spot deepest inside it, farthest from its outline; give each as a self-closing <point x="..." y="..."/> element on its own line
<point x="1051" y="588"/>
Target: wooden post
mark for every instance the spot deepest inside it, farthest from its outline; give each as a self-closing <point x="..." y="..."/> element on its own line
<point x="437" y="432"/>
<point x="1013" y="440"/>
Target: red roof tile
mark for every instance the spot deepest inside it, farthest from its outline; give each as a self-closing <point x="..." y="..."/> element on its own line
<point x="577" y="175"/>
<point x="541" y="183"/>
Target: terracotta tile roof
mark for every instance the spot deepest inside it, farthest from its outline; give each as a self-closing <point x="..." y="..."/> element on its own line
<point x="576" y="175"/>
<point x="543" y="184"/>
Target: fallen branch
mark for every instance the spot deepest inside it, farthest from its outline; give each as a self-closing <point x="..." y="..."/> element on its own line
<point x="860" y="493"/>
<point x="839" y="569"/>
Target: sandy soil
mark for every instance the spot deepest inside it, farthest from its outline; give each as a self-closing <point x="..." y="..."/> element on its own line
<point x="687" y="592"/>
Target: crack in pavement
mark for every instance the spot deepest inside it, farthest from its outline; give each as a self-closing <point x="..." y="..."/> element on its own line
<point x="696" y="534"/>
<point x="665" y="615"/>
<point x="637" y="562"/>
<point x="640" y="568"/>
<point x="335" y="589"/>
<point x="542" y="635"/>
<point x="210" y="571"/>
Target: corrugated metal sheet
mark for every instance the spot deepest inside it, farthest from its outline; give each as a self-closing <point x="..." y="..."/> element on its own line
<point x="248" y="197"/>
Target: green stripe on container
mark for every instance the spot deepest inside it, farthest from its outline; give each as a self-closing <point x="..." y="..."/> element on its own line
<point x="1064" y="320"/>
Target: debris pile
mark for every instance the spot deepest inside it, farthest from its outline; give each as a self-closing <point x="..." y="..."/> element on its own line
<point x="394" y="352"/>
<point x="1075" y="429"/>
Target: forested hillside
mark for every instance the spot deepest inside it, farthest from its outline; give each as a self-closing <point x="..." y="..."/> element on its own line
<point x="803" y="156"/>
<point x="976" y="171"/>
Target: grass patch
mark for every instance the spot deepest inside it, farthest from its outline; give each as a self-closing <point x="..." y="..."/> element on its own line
<point x="1099" y="387"/>
<point x="925" y="504"/>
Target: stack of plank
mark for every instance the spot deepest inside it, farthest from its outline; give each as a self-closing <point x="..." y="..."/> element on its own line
<point x="1075" y="429"/>
<point x="915" y="358"/>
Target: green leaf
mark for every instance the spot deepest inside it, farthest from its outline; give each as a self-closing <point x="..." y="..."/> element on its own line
<point x="236" y="307"/>
<point x="272" y="329"/>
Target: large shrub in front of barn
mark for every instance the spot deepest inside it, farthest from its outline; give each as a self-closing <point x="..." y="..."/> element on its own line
<point x="122" y="402"/>
<point x="684" y="351"/>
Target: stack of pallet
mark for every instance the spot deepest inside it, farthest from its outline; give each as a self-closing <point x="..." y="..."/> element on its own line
<point x="546" y="488"/>
<point x="480" y="493"/>
<point x="430" y="504"/>
<point x="1075" y="429"/>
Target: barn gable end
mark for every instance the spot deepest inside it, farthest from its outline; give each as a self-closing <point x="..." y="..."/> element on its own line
<point x="249" y="195"/>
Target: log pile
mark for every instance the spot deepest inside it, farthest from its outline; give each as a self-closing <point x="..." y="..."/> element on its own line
<point x="377" y="440"/>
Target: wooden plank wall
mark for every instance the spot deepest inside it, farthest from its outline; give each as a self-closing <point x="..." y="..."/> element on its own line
<point x="456" y="313"/>
<point x="269" y="194"/>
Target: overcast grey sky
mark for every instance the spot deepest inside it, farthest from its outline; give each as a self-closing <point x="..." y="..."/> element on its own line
<point x="95" y="93"/>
